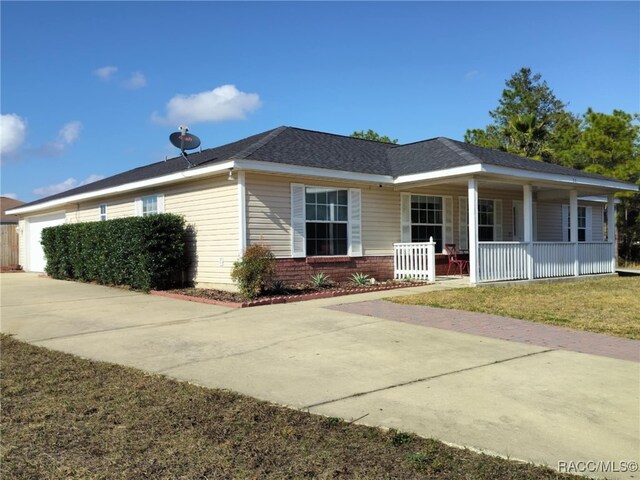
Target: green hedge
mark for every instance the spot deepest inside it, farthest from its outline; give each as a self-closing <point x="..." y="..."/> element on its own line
<point x="142" y="252"/>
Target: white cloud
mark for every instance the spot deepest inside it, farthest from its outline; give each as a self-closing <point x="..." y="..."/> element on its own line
<point x="470" y="75"/>
<point x="70" y="132"/>
<point x="94" y="177"/>
<point x="105" y="73"/>
<point x="222" y="103"/>
<point x="13" y="131"/>
<point x="52" y="189"/>
<point x="65" y="185"/>
<point x="136" y="80"/>
<point x="10" y="195"/>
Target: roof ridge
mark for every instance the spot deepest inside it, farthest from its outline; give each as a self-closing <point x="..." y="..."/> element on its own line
<point x="399" y="145"/>
<point x="458" y="150"/>
<point x="346" y="136"/>
<point x="254" y="147"/>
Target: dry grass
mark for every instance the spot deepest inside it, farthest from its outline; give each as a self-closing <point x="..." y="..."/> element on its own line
<point x="607" y="305"/>
<point x="68" y="418"/>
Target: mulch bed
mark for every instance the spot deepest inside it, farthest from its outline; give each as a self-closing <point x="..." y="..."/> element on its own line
<point x="294" y="294"/>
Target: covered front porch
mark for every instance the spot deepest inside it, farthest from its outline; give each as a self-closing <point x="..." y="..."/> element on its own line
<point x="549" y="228"/>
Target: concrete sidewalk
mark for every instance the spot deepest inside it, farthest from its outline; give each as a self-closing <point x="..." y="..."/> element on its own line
<point x="524" y="401"/>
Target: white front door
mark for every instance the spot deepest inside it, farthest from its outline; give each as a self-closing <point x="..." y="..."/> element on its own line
<point x="518" y="221"/>
<point x="35" y="255"/>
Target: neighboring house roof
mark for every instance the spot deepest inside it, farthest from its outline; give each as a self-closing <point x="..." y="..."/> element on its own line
<point x="308" y="148"/>
<point x="7" y="203"/>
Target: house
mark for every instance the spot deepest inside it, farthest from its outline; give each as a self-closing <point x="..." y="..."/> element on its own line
<point x="336" y="204"/>
<point x="8" y="234"/>
<point x="8" y="203"/>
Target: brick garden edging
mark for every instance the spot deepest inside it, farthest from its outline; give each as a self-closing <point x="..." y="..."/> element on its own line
<point x="284" y="298"/>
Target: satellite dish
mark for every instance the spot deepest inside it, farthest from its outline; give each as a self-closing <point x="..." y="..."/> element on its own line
<point x="184" y="141"/>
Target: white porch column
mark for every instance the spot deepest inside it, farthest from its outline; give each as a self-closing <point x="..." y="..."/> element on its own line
<point x="611" y="229"/>
<point x="473" y="230"/>
<point x="528" y="226"/>
<point x="573" y="228"/>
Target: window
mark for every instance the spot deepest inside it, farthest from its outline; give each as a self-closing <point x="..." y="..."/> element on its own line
<point x="582" y="224"/>
<point x="103" y="212"/>
<point x="426" y="219"/>
<point x="149" y="205"/>
<point x="327" y="221"/>
<point x="486" y="220"/>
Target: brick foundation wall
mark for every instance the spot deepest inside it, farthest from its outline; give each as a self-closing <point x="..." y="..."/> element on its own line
<point x="339" y="269"/>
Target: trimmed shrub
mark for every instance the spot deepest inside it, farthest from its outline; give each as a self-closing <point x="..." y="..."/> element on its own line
<point x="254" y="272"/>
<point x="142" y="252"/>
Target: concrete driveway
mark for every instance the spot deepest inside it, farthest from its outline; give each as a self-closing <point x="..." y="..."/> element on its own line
<point x="523" y="401"/>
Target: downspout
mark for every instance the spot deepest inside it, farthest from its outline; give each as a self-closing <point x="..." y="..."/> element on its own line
<point x="242" y="214"/>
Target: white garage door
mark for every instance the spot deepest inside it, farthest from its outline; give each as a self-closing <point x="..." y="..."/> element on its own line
<point x="34" y="226"/>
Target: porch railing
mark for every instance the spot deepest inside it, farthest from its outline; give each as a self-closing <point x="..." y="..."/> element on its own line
<point x="415" y="260"/>
<point x="594" y="257"/>
<point x="513" y="260"/>
<point x="502" y="261"/>
<point x="553" y="259"/>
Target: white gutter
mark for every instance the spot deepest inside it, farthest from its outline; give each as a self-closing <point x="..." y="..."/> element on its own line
<point x="286" y="169"/>
<point x="515" y="173"/>
<point x="124" y="188"/>
<point x="270" y="167"/>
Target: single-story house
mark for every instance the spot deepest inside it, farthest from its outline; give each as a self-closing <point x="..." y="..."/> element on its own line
<point x="335" y="204"/>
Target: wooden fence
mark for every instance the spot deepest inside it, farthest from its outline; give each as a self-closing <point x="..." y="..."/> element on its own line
<point x="8" y="246"/>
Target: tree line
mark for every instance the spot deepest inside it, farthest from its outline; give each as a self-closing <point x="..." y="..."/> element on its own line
<point x="531" y="121"/>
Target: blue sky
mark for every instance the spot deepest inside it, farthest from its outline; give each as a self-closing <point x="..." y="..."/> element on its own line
<point x="90" y="89"/>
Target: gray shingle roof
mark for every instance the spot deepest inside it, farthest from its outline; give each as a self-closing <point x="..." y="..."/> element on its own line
<point x="296" y="146"/>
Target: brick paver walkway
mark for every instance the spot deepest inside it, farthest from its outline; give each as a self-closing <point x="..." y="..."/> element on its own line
<point x="500" y="327"/>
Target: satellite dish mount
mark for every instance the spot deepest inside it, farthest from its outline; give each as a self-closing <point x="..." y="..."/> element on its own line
<point x="184" y="141"/>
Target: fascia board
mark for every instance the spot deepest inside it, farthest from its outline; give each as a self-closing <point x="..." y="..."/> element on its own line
<point x="126" y="187"/>
<point x="287" y="169"/>
<point x="448" y="172"/>
<point x="557" y="178"/>
<point x="515" y="173"/>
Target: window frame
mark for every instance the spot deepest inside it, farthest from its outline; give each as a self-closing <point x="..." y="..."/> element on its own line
<point x="333" y="210"/>
<point x="484" y="227"/>
<point x="583" y="229"/>
<point x="102" y="216"/>
<point x="428" y="224"/>
<point x="139" y="204"/>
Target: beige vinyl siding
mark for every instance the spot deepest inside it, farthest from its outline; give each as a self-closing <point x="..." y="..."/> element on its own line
<point x="269" y="213"/>
<point x="549" y="218"/>
<point x="380" y="220"/>
<point x="117" y="207"/>
<point x="211" y="208"/>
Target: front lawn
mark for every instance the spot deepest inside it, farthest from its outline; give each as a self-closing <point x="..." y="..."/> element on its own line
<point x="607" y="305"/>
<point x="64" y="417"/>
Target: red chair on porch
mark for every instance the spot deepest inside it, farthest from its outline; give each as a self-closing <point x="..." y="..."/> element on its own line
<point x="454" y="261"/>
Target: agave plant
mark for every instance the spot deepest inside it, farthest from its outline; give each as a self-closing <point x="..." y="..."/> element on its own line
<point x="360" y="279"/>
<point x="320" y="280"/>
